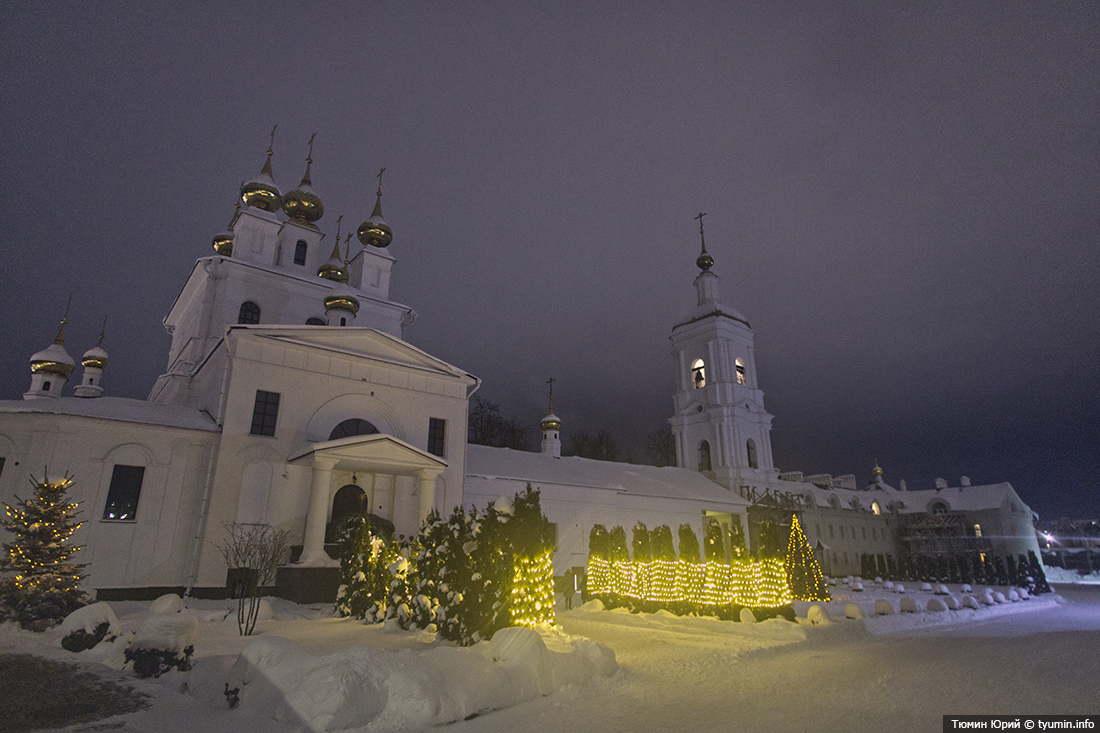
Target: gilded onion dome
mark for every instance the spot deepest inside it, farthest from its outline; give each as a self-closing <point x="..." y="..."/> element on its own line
<point x="223" y="241"/>
<point x="876" y="471"/>
<point x="53" y="359"/>
<point x="343" y="299"/>
<point x="96" y="357"/>
<point x="302" y="204"/>
<point x="261" y="192"/>
<point x="335" y="269"/>
<point x="375" y="232"/>
<point x="551" y="422"/>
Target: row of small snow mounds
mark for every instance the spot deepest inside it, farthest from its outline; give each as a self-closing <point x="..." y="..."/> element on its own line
<point x="899" y="622"/>
<point x="375" y="689"/>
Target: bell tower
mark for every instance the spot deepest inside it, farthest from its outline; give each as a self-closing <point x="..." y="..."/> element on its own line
<point x="719" y="421"/>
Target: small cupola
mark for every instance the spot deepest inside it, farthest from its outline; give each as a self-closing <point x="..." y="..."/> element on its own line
<point x="374" y="232"/>
<point x="261" y="192"/>
<point x="94" y="362"/>
<point x="341" y="305"/>
<point x="551" y="428"/>
<point x="335" y="268"/>
<point x="223" y="241"/>
<point x="51" y="367"/>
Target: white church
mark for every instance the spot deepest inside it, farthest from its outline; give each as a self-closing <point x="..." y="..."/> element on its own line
<point x="291" y="397"/>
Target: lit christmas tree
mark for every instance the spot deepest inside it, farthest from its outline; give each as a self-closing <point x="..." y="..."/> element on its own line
<point x="803" y="573"/>
<point x="43" y="584"/>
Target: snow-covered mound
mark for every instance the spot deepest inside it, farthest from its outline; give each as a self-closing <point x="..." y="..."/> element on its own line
<point x="356" y="686"/>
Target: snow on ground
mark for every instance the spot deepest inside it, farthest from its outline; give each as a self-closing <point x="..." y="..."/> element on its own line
<point x="881" y="673"/>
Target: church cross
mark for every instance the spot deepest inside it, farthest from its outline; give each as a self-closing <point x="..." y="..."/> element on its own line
<point x="701" y="239"/>
<point x="550" y="381"/>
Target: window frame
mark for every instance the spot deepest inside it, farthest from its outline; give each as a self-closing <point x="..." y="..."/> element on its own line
<point x="437" y="436"/>
<point x="124" y="493"/>
<point x="246" y="312"/>
<point x="300" y="251"/>
<point x="265" y="414"/>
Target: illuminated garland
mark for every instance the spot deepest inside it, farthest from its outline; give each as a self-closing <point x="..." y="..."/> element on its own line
<point x="754" y="583"/>
<point x="533" y="591"/>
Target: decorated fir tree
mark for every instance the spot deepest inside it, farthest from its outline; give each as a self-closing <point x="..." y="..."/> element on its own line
<point x="42" y="583"/>
<point x="803" y="573"/>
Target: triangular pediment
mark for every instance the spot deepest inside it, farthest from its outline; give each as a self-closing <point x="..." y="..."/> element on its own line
<point x="377" y="453"/>
<point x="365" y="343"/>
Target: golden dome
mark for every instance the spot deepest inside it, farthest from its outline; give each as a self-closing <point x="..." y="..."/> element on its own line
<point x="223" y="244"/>
<point x="375" y="232"/>
<point x="223" y="241"/>
<point x="343" y="301"/>
<point x="53" y="359"/>
<point x="551" y="422"/>
<point x="261" y="192"/>
<point x="94" y="357"/>
<point x="334" y="268"/>
<point x="302" y="204"/>
<point x="876" y="471"/>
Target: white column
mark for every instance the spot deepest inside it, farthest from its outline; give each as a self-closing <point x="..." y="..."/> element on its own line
<point x="426" y="478"/>
<point x="313" y="546"/>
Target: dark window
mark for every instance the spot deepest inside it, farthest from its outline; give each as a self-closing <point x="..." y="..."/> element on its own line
<point x="265" y="413"/>
<point x="750" y="446"/>
<point x="349" y="499"/>
<point x="2" y="466"/>
<point x="704" y="456"/>
<point x="45" y="386"/>
<point x="315" y="321"/>
<point x="437" y="434"/>
<point x="122" y="497"/>
<point x="343" y="321"/>
<point x="250" y="313"/>
<point x="351" y="427"/>
<point x="300" y="252"/>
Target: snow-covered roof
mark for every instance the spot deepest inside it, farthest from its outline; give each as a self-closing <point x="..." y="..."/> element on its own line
<point x="116" y="408"/>
<point x="959" y="498"/>
<point x="537" y="468"/>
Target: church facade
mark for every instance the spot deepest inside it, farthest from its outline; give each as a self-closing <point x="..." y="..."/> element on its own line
<point x="291" y="397"/>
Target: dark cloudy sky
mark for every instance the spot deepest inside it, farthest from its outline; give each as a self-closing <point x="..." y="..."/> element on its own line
<point x="903" y="199"/>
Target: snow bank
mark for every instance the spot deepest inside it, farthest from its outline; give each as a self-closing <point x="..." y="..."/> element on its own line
<point x="362" y="685"/>
<point x="167" y="632"/>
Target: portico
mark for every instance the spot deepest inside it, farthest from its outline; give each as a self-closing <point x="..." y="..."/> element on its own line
<point x="379" y="454"/>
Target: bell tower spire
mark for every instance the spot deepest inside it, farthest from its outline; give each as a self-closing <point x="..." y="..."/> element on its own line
<point x="51" y="367"/>
<point x="719" y="422"/>
<point x="551" y="428"/>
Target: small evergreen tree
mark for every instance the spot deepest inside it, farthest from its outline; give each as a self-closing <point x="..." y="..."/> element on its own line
<point x="660" y="542"/>
<point x="803" y="573"/>
<point x="366" y="556"/>
<point x="1037" y="574"/>
<point x="616" y="544"/>
<point x="44" y="585"/>
<point x="738" y="551"/>
<point x="598" y="542"/>
<point x="642" y="551"/>
<point x="713" y="547"/>
<point x="689" y="544"/>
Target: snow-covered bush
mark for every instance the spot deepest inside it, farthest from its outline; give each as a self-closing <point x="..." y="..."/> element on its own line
<point x="941" y="590"/>
<point x="951" y="602"/>
<point x="899" y="588"/>
<point x="747" y="616"/>
<point x="970" y="602"/>
<point x="163" y="642"/>
<point x="936" y="605"/>
<point x="85" y="627"/>
<point x="366" y="553"/>
<point x="926" y="587"/>
<point x="817" y="615"/>
<point x="909" y="605"/>
<point x="852" y="611"/>
<point x="168" y="603"/>
<point x="884" y="607"/>
<point x="1013" y="595"/>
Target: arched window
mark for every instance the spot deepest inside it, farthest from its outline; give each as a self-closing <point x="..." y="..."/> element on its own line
<point x="939" y="508"/>
<point x="351" y="427"/>
<point x="876" y="508"/>
<point x="315" y="321"/>
<point x="46" y="386"/>
<point x="348" y="500"/>
<point x="740" y="367"/>
<point x="698" y="374"/>
<point x="300" y="252"/>
<point x="249" y="314"/>
<point x="750" y="448"/>
<point x="704" y="456"/>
